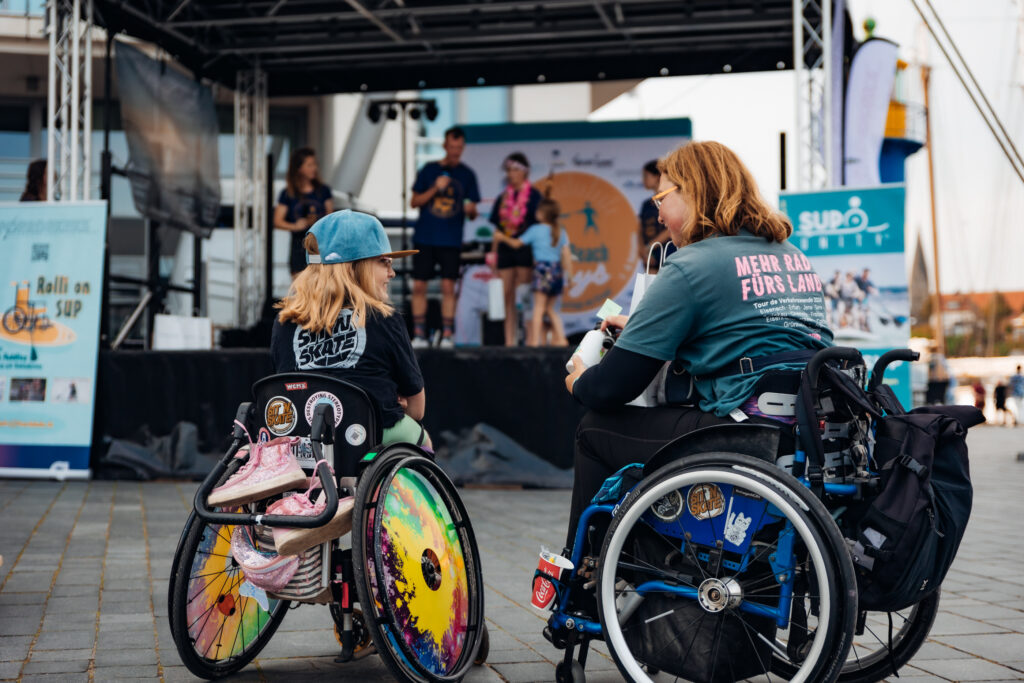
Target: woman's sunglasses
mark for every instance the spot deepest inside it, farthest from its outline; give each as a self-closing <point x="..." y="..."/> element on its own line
<point x="660" y="197"/>
<point x="386" y="261"/>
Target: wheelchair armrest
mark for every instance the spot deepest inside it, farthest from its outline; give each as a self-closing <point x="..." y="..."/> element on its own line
<point x="295" y="521"/>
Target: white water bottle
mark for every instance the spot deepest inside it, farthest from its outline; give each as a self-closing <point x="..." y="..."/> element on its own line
<point x="591" y="349"/>
<point x="495" y="299"/>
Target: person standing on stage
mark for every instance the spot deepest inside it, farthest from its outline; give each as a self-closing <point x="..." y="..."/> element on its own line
<point x="651" y="230"/>
<point x="514" y="211"/>
<point x="446" y="193"/>
<point x="304" y="201"/>
<point x="35" y="182"/>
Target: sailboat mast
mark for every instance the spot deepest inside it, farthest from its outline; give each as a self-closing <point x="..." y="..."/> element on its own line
<point x="940" y="332"/>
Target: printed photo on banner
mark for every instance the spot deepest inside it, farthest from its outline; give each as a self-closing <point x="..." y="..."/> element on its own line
<point x="28" y="389"/>
<point x="70" y="389"/>
<point x="866" y="298"/>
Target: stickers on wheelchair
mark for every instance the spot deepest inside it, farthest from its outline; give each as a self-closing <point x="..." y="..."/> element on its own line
<point x="706" y="513"/>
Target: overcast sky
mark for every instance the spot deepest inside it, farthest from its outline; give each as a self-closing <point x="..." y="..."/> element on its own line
<point x="980" y="201"/>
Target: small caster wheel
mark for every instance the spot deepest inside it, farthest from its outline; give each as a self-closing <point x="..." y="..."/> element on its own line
<point x="572" y="673"/>
<point x="485" y="647"/>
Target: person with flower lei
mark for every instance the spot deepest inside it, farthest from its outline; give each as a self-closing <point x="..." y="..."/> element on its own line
<point x="514" y="211"/>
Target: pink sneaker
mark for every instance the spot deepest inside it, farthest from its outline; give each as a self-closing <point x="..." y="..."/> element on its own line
<point x="271" y="469"/>
<point x="288" y="541"/>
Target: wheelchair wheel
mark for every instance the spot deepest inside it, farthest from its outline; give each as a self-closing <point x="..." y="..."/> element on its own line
<point x="721" y="567"/>
<point x="417" y="568"/>
<point x="870" y="657"/>
<point x="14" y="320"/>
<point x="216" y="629"/>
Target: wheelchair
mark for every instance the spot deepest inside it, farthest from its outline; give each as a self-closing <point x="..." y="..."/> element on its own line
<point x="724" y="559"/>
<point x="409" y="583"/>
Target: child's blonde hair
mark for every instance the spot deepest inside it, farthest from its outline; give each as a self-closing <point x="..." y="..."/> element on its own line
<point x="319" y="293"/>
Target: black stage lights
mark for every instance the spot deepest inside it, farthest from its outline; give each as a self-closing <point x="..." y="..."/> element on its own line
<point x="417" y="109"/>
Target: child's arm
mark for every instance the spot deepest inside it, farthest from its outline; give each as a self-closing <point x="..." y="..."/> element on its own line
<point x="414" y="406"/>
<point x="566" y="262"/>
<point x="499" y="236"/>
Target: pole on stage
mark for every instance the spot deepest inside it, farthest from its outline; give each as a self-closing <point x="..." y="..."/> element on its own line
<point x="105" y="182"/>
<point x="405" y="212"/>
<point x="152" y="277"/>
<point x="782" y="160"/>
<point x="268" y="300"/>
<point x="197" y="275"/>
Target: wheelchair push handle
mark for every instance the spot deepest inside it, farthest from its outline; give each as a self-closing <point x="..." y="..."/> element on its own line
<point x="230" y="462"/>
<point x="847" y="353"/>
<point x="323" y="472"/>
<point x="878" y="371"/>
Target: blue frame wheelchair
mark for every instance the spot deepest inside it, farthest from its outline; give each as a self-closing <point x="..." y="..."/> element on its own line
<point x="727" y="560"/>
<point x="412" y="550"/>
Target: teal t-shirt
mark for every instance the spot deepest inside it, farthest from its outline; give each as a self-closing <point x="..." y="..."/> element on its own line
<point x="538" y="236"/>
<point x="724" y="298"/>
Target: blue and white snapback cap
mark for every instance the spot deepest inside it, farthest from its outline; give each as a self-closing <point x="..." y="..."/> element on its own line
<point x="346" y="236"/>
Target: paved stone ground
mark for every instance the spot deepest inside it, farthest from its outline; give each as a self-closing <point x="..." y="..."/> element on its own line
<point x="84" y="581"/>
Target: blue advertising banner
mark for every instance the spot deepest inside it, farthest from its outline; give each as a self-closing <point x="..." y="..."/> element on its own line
<point x="51" y="276"/>
<point x="855" y="240"/>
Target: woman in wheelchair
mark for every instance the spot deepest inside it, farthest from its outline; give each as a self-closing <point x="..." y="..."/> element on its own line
<point x="734" y="301"/>
<point x="336" y="320"/>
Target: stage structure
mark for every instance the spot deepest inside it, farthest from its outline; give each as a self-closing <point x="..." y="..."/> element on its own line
<point x="251" y="219"/>
<point x="69" y="100"/>
<point x="813" y="69"/>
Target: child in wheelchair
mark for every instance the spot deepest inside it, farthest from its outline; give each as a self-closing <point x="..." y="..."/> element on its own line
<point x="336" y="320"/>
<point x="345" y="404"/>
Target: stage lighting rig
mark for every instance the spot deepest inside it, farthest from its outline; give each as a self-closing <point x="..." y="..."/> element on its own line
<point x="393" y="109"/>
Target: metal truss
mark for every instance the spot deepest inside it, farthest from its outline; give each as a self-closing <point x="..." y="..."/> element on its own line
<point x="315" y="47"/>
<point x="812" y="67"/>
<point x="250" y="195"/>
<point x="69" y="100"/>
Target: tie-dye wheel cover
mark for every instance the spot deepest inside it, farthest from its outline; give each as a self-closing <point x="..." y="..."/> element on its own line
<point x="423" y="571"/>
<point x="221" y="622"/>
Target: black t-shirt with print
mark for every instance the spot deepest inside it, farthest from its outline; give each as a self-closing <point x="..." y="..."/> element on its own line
<point x="378" y="357"/>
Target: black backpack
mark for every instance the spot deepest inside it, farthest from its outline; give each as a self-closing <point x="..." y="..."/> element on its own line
<point x="908" y="536"/>
<point x="905" y="538"/>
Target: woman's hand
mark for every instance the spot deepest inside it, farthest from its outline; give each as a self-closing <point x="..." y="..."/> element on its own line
<point x="617" y="322"/>
<point x="578" y="368"/>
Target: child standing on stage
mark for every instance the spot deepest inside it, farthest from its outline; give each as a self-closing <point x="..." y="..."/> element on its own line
<point x="552" y="265"/>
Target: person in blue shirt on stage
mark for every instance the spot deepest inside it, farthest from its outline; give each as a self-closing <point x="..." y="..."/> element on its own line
<point x="552" y="267"/>
<point x="304" y="201"/>
<point x="735" y="301"/>
<point x="446" y="194"/>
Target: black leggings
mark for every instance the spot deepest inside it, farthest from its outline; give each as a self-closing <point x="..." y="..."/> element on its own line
<point x="607" y="442"/>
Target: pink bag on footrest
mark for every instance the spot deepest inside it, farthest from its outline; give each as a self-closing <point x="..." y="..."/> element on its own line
<point x="268" y="571"/>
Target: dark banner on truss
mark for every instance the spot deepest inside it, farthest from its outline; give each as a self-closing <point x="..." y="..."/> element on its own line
<point x="171" y="126"/>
